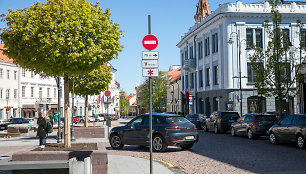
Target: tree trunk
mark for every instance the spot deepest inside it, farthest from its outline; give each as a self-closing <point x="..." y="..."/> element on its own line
<point x="67" y="139"/>
<point x="86" y="111"/>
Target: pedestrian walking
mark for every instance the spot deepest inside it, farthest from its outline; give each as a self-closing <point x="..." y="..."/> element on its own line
<point x="50" y="115"/>
<point x="55" y="117"/>
<point x="42" y="126"/>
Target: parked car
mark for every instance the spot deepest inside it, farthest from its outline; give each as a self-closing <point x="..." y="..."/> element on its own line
<point x="4" y="125"/>
<point x="168" y="130"/>
<point x="80" y="119"/>
<point x="31" y="120"/>
<point x="291" y="128"/>
<point x="104" y="115"/>
<point x="98" y="118"/>
<point x="220" y="121"/>
<point x="197" y="119"/>
<point x="91" y="119"/>
<point x="252" y="125"/>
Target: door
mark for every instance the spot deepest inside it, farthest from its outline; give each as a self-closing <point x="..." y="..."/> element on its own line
<point x="237" y="126"/>
<point x="283" y="129"/>
<point x="210" y="122"/>
<point x="132" y="134"/>
<point x="245" y="125"/>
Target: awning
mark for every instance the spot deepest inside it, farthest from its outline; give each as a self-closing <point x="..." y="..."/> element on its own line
<point x="29" y="110"/>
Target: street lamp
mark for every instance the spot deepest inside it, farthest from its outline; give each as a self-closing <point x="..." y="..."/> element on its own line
<point x="7" y="112"/>
<point x="231" y="41"/>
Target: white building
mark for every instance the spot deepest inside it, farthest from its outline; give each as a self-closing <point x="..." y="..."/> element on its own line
<point x="9" y="84"/>
<point x="211" y="66"/>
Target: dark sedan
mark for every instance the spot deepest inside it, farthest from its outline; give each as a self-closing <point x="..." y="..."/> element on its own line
<point x="4" y="125"/>
<point x="220" y="121"/>
<point x="292" y="129"/>
<point x="252" y="125"/>
<point x="168" y="130"/>
<point x="197" y="119"/>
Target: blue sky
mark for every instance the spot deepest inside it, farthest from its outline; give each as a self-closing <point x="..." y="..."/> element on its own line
<point x="170" y="20"/>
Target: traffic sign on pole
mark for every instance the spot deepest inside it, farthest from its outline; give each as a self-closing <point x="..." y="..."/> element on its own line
<point x="149" y="42"/>
<point x="150" y="63"/>
<point x="149" y="55"/>
<point x="107" y="93"/>
<point x="153" y="72"/>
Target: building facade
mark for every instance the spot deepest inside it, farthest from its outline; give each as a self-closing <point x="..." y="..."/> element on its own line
<point x="210" y="65"/>
<point x="174" y="90"/>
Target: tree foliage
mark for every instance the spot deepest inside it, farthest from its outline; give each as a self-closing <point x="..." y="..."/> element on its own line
<point x="274" y="66"/>
<point x="124" y="104"/>
<point x="70" y="37"/>
<point x="159" y="93"/>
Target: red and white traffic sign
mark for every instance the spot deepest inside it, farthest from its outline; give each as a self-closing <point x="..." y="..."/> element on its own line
<point x="149" y="42"/>
<point x="190" y="95"/>
<point x="153" y="72"/>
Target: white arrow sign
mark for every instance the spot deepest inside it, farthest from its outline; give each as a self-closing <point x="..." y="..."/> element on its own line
<point x="150" y="72"/>
<point x="150" y="63"/>
<point x="150" y="55"/>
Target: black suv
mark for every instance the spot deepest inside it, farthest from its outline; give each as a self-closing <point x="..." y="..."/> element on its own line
<point x="168" y="130"/>
<point x="292" y="128"/>
<point x="220" y="121"/>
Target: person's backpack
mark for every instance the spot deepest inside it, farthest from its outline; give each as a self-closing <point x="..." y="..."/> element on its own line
<point x="49" y="128"/>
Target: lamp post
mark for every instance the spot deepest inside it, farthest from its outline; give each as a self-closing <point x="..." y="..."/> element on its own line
<point x="7" y="112"/>
<point x="230" y="41"/>
<point x="59" y="134"/>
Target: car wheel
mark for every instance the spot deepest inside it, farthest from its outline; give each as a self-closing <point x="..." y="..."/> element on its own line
<point x="216" y="129"/>
<point x="272" y="138"/>
<point x="233" y="133"/>
<point x="115" y="142"/>
<point x="250" y="134"/>
<point x="300" y="141"/>
<point x="158" y="143"/>
<point x="205" y="128"/>
<point x="186" y="146"/>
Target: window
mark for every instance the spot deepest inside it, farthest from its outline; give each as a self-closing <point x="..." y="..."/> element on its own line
<point x="207" y="106"/>
<point x="215" y="104"/>
<point x="286" y="36"/>
<point x="249" y="37"/>
<point x="32" y="74"/>
<point x="186" y="55"/>
<point x="15" y="75"/>
<point x="183" y="84"/>
<point x="81" y="110"/>
<point x="215" y="43"/>
<point x="136" y="122"/>
<point x="216" y="75"/>
<point x="40" y="92"/>
<point x="191" y="52"/>
<point x="302" y="39"/>
<point x="1" y="73"/>
<point x="8" y="74"/>
<point x="32" y="92"/>
<point x="192" y="81"/>
<point x="23" y="72"/>
<point x="55" y="92"/>
<point x="207" y="77"/>
<point x="48" y="92"/>
<point x="207" y="51"/>
<point x="182" y="59"/>
<point x="23" y="91"/>
<point x="201" y="78"/>
<point x="251" y="74"/>
<point x="200" y="50"/>
<point x="7" y="93"/>
<point x="1" y="93"/>
<point x="287" y="120"/>
<point x="258" y="33"/>
<point x="14" y="112"/>
<point x="186" y="80"/>
<point x="15" y="93"/>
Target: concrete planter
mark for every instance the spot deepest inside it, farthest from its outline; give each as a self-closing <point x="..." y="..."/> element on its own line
<point x="98" y="157"/>
<point x="89" y="132"/>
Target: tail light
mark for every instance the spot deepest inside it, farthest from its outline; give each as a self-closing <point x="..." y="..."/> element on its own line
<point x="194" y="127"/>
<point x="173" y="128"/>
<point x="197" y="119"/>
<point x="223" y="120"/>
<point x="256" y="122"/>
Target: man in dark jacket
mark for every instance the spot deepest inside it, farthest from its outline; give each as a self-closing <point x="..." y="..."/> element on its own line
<point x="42" y="126"/>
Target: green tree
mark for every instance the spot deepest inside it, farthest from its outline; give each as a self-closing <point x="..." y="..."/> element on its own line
<point x="159" y="92"/>
<point x="273" y="66"/>
<point x="124" y="104"/>
<point x="61" y="38"/>
<point x="91" y="84"/>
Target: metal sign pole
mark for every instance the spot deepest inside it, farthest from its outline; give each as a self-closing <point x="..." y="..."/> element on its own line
<point x="107" y="116"/>
<point x="58" y="80"/>
<point x="150" y="100"/>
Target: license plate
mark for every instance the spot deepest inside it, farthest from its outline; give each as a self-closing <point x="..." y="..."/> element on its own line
<point x="189" y="137"/>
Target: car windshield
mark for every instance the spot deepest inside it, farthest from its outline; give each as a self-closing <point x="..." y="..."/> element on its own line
<point x="266" y="117"/>
<point x="229" y="115"/>
<point x="176" y="120"/>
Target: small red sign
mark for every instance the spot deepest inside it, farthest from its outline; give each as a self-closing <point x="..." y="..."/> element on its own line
<point x="190" y="95"/>
<point x="149" y="42"/>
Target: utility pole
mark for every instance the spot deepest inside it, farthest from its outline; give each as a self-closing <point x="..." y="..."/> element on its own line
<point x="150" y="109"/>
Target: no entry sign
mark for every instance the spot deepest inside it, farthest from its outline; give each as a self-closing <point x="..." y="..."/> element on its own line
<point x="149" y="42"/>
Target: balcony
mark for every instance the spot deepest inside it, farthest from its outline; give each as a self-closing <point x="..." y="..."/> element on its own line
<point x="189" y="64"/>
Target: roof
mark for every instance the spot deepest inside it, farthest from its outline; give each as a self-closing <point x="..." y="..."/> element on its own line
<point x="174" y="74"/>
<point x="164" y="115"/>
<point x="130" y="96"/>
<point x="134" y="104"/>
<point x="4" y="57"/>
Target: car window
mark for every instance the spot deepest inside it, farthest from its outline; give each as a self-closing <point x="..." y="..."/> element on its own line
<point x="266" y="117"/>
<point x="286" y="120"/>
<point x="229" y="115"/>
<point x="241" y="118"/>
<point x="299" y="121"/>
<point x="136" y="122"/>
<point x="176" y="119"/>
